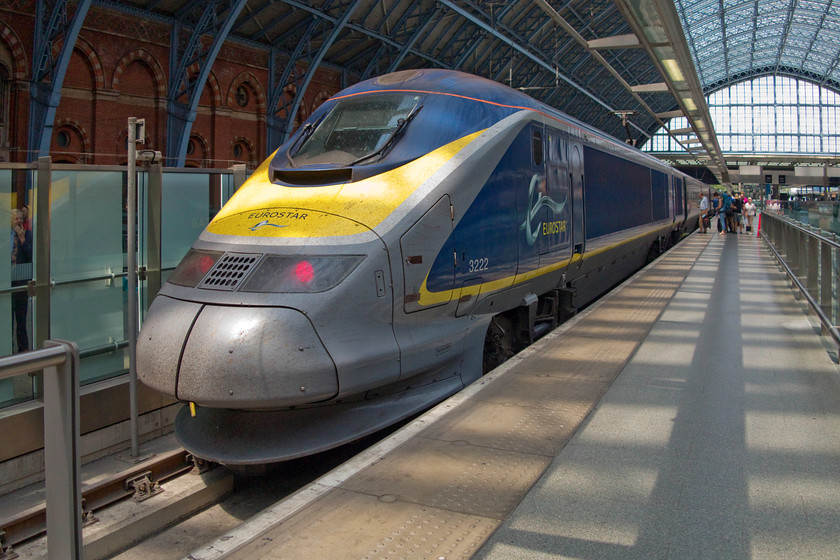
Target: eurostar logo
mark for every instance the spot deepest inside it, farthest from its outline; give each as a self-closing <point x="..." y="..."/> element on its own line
<point x="537" y="199"/>
<point x="265" y="223"/>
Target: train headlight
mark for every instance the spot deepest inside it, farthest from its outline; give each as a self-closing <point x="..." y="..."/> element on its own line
<point x="193" y="267"/>
<point x="300" y="274"/>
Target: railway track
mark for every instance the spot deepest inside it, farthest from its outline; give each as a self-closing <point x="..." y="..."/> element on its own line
<point x="167" y="506"/>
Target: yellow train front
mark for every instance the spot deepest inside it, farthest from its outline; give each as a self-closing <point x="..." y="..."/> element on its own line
<point x="417" y="229"/>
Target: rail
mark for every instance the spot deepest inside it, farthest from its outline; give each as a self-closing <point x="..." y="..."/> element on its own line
<point x="62" y="463"/>
<point x="804" y="252"/>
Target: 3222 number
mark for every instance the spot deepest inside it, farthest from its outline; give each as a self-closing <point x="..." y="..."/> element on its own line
<point x="477" y="265"/>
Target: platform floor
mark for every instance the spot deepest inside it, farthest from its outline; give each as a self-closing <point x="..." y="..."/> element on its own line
<point x="720" y="438"/>
<point x="692" y="413"/>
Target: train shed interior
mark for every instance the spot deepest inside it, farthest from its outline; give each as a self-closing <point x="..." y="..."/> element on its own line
<point x="744" y="96"/>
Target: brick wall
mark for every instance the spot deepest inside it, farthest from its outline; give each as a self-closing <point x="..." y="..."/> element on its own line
<point x="119" y="69"/>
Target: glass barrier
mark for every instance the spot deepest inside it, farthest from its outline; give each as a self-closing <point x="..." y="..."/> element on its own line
<point x="87" y="246"/>
<point x="824" y="215"/>
<point x="88" y="238"/>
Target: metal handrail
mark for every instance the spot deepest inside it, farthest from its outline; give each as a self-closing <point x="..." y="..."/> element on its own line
<point x="62" y="460"/>
<point x="826" y="322"/>
<point x="790" y="222"/>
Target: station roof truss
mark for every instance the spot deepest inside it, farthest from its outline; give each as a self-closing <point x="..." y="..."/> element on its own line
<point x="734" y="40"/>
<point x="613" y="64"/>
<point x="565" y="54"/>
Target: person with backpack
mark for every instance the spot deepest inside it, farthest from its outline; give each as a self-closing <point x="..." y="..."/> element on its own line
<point x="737" y="214"/>
<point x="726" y="213"/>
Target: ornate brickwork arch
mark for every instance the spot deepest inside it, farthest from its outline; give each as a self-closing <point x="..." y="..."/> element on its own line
<point x="21" y="65"/>
<point x="146" y="58"/>
<point x="86" y="50"/>
<point x="322" y="96"/>
<point x="251" y="80"/>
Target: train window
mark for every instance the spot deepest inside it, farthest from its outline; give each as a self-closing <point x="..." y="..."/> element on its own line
<point x="555" y="150"/>
<point x="537" y="146"/>
<point x="356" y="130"/>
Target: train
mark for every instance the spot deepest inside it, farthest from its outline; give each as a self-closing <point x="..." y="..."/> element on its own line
<point x="412" y="234"/>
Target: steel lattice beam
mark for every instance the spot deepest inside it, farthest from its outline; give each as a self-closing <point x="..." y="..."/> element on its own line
<point x="51" y="27"/>
<point x="216" y="20"/>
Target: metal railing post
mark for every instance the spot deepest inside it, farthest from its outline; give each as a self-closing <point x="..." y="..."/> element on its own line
<point x="816" y="255"/>
<point x="62" y="459"/>
<point x="826" y="282"/>
<point x="41" y="288"/>
<point x="813" y="263"/>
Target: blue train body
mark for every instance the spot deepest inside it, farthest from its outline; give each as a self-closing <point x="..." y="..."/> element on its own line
<point x="413" y="233"/>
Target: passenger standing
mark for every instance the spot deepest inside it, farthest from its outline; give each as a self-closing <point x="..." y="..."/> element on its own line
<point x="704" y="209"/>
<point x="726" y="212"/>
<point x="716" y="210"/>
<point x="737" y="214"/>
<point x="750" y="209"/>
<point x="21" y="245"/>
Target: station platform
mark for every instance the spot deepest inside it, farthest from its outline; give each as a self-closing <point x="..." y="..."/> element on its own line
<point x="694" y="412"/>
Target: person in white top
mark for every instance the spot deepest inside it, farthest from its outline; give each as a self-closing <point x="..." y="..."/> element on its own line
<point x="704" y="209"/>
<point x="750" y="211"/>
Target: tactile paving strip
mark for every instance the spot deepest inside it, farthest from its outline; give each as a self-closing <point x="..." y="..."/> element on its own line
<point x="363" y="526"/>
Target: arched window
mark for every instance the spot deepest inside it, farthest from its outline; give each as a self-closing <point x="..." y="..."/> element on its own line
<point x="770" y="114"/>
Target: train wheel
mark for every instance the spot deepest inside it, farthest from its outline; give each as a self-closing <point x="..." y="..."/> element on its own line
<point x="499" y="342"/>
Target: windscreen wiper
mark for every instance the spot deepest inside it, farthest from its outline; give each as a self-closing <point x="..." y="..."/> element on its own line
<point x="402" y="124"/>
<point x="307" y="131"/>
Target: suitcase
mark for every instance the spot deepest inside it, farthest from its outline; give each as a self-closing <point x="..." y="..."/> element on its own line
<point x="749" y="229"/>
<point x="707" y="223"/>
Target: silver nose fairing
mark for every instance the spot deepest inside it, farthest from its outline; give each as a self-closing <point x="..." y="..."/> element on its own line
<point x="232" y="357"/>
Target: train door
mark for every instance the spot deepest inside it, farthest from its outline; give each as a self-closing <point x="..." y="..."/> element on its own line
<point x="578" y="203"/>
<point x="679" y="198"/>
<point x="672" y="200"/>
<point x="427" y="240"/>
<point x="555" y="204"/>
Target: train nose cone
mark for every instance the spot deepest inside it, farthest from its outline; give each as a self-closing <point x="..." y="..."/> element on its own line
<point x="248" y="357"/>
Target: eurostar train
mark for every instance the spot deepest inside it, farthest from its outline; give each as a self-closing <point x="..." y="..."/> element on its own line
<point x="418" y="229"/>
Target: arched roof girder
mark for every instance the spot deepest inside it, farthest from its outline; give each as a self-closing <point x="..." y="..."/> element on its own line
<point x="280" y="127"/>
<point x="732" y="40"/>
<point x="187" y="53"/>
<point x="518" y="48"/>
<point x="314" y="62"/>
<point x="816" y="79"/>
<point x="424" y="19"/>
<point x="51" y="27"/>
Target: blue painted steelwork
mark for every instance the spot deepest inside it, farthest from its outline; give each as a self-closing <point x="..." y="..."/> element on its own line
<point x="276" y="125"/>
<point x="48" y="72"/>
<point x="181" y="115"/>
<point x="418" y="32"/>
<point x="313" y="65"/>
<point x="399" y="31"/>
<point x="254" y="13"/>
